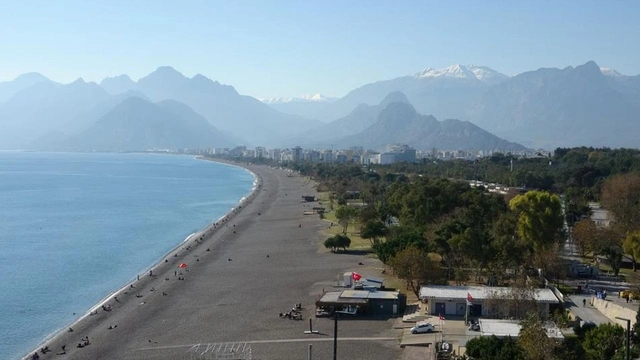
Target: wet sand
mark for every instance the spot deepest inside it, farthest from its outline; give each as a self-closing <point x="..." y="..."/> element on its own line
<point x="260" y="262"/>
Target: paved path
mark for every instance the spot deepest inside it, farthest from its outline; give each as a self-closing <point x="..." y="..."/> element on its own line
<point x="586" y="313"/>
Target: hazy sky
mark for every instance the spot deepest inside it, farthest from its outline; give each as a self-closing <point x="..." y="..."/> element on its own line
<point x="289" y="48"/>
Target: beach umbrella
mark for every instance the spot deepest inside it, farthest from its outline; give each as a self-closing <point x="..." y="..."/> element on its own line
<point x="182" y="266"/>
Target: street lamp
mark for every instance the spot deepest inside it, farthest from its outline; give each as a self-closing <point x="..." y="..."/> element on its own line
<point x="628" y="336"/>
<point x="335" y="333"/>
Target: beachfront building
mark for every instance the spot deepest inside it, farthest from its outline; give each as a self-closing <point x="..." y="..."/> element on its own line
<point x="364" y="302"/>
<point x="452" y="300"/>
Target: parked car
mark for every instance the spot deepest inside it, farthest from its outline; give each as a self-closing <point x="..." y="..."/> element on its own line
<point x="422" y="328"/>
<point x="635" y="293"/>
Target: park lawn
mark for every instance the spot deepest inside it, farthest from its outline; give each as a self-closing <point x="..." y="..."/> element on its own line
<point x="357" y="242"/>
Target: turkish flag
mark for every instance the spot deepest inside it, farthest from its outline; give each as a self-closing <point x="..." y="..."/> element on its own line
<point x="355" y="276"/>
<point x="469" y="297"/>
<point x="441" y="317"/>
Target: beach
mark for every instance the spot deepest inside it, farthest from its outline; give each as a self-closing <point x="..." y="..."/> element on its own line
<point x="239" y="275"/>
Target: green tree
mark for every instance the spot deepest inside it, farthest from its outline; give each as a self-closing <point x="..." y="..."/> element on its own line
<point x="603" y="341"/>
<point x="399" y="238"/>
<point x="510" y="252"/>
<point x="337" y="241"/>
<point x="416" y="268"/>
<point x="611" y="247"/>
<point x="346" y="215"/>
<point x="373" y="230"/>
<point x="342" y="241"/>
<point x="539" y="220"/>
<point x="631" y="246"/>
<point x="494" y="348"/>
<point x="635" y="331"/>
<point x="330" y="243"/>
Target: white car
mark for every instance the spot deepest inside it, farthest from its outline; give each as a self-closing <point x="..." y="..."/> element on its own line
<point x="422" y="328"/>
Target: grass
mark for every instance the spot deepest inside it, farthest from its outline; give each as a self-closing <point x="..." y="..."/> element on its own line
<point x="360" y="244"/>
<point x="567" y="289"/>
<point x="357" y="242"/>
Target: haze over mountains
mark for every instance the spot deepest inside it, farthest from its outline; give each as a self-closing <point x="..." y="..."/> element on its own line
<point x="585" y="105"/>
<point x="545" y="108"/>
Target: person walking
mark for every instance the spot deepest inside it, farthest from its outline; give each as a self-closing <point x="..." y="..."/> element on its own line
<point x="584" y="302"/>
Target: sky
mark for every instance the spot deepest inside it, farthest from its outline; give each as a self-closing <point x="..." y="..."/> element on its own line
<point x="289" y="48"/>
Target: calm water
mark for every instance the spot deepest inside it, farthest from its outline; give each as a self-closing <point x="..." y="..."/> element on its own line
<point x="76" y="227"/>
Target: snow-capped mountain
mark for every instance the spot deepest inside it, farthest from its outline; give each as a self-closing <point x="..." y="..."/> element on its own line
<point x="303" y="98"/>
<point x="481" y="73"/>
<point x="610" y="72"/>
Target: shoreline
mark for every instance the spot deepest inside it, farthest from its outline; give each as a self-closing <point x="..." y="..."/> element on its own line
<point x="206" y="231"/>
<point x="236" y="282"/>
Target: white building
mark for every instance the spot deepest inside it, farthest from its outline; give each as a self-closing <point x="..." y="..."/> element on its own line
<point x="452" y="300"/>
<point x="386" y="158"/>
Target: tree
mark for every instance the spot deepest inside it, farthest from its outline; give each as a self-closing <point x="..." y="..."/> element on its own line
<point x="510" y="251"/>
<point x="399" y="238"/>
<point x="330" y="243"/>
<point x="631" y="246"/>
<point x="494" y="348"/>
<point x="345" y="215"/>
<point x="540" y="221"/>
<point x="611" y="247"/>
<point x="337" y="241"/>
<point x="416" y="268"/>
<point x="635" y="332"/>
<point x="373" y="230"/>
<point x="534" y="340"/>
<point x="517" y="302"/>
<point x="603" y="341"/>
<point x="342" y="241"/>
<point x="584" y="236"/>
<point x="621" y="196"/>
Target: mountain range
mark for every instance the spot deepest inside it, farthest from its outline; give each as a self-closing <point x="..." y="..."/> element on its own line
<point x="545" y="108"/>
<point x="583" y="105"/>
<point x="396" y="121"/>
<point x="241" y="115"/>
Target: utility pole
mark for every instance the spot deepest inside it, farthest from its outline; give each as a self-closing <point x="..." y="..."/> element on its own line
<point x="628" y="336"/>
<point x="335" y="336"/>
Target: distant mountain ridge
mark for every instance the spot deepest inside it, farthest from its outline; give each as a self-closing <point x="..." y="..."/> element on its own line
<point x="443" y="92"/>
<point x="562" y="107"/>
<point x="356" y="121"/>
<point x="137" y="125"/>
<point x="47" y="107"/>
<point x="9" y="88"/>
<point x="586" y="105"/>
<point x="229" y="111"/>
<point x="400" y="123"/>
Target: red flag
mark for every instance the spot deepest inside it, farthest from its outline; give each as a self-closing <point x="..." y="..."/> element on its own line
<point x="469" y="297"/>
<point x="355" y="276"/>
<point x="441" y="317"/>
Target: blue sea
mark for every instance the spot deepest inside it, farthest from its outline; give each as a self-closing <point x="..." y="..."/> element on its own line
<point x="76" y="227"/>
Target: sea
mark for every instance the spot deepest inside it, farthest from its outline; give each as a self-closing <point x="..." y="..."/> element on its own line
<point x="74" y="228"/>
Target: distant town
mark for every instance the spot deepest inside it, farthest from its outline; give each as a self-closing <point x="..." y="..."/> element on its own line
<point x="393" y="153"/>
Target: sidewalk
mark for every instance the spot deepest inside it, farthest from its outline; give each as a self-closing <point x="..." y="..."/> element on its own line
<point x="586" y="313"/>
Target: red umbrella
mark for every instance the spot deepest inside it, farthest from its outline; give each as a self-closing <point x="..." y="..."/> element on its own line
<point x="182" y="266"/>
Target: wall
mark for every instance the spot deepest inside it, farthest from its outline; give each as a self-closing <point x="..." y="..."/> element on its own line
<point x="611" y="310"/>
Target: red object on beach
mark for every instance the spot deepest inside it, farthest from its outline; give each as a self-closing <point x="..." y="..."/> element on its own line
<point x="182" y="266"/>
